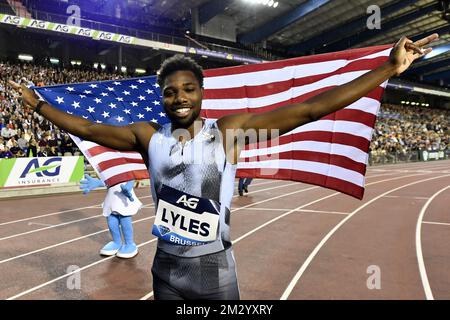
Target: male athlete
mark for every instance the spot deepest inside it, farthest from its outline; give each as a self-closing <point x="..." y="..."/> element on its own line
<point x="193" y="190"/>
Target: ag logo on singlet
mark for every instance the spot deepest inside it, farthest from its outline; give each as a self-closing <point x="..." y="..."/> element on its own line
<point x="188" y="202"/>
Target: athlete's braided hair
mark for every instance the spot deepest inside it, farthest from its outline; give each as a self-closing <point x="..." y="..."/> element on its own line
<point x="176" y="63"/>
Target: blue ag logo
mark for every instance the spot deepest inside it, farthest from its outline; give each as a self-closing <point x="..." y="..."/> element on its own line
<point x="45" y="170"/>
<point x="163" y="230"/>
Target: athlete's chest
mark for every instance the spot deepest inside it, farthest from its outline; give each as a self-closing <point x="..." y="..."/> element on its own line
<point x="201" y="151"/>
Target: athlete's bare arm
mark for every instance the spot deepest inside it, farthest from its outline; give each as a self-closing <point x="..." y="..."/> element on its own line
<point x="134" y="137"/>
<point x="292" y="116"/>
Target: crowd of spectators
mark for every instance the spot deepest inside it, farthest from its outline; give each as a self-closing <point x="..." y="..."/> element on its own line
<point x="399" y="132"/>
<point x="24" y="133"/>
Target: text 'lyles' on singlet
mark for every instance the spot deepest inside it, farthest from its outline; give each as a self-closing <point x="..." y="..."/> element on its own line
<point x="198" y="168"/>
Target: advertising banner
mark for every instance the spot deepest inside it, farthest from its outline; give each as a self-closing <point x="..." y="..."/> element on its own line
<point x="22" y="172"/>
<point x="432" y="155"/>
<point x="64" y="28"/>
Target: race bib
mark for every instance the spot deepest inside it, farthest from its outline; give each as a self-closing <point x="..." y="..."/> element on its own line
<point x="184" y="219"/>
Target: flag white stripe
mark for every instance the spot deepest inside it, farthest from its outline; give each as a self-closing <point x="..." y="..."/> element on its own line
<point x="294" y="92"/>
<point x="257" y="78"/>
<point x="269" y="156"/>
<point x="339" y="126"/>
<point x="354" y="128"/>
<point x="324" y="147"/>
<point x="109" y="155"/>
<point x="86" y="145"/>
<point x="308" y="166"/>
<point x="365" y="104"/>
<point x="108" y="173"/>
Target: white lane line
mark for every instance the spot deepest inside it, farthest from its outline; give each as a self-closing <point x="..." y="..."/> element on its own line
<point x="303" y="206"/>
<point x="301" y="210"/>
<point x="273" y="220"/>
<point x="147" y="296"/>
<point x="55" y="213"/>
<point x="49" y="226"/>
<point x="281" y="216"/>
<point x="104" y="230"/>
<point x="419" y="253"/>
<point x="95" y="206"/>
<point x="436" y="223"/>
<point x="409" y="197"/>
<point x="308" y="261"/>
<point x="105" y="259"/>
<point x="45" y="215"/>
<point x="150" y="294"/>
<point x="38" y="224"/>
<point x="70" y="273"/>
<point x="97" y="216"/>
<point x="408" y="166"/>
<point x="328" y="212"/>
<point x="63" y="243"/>
<point x="97" y="262"/>
<point x="266" y="209"/>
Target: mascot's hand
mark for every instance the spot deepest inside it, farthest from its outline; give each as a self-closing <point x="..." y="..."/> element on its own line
<point x="89" y="184"/>
<point x="126" y="189"/>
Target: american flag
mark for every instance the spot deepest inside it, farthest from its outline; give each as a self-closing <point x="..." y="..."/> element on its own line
<point x="118" y="102"/>
<point x="331" y="152"/>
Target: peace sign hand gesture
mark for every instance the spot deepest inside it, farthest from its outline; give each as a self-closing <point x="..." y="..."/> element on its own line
<point x="29" y="97"/>
<point x="406" y="51"/>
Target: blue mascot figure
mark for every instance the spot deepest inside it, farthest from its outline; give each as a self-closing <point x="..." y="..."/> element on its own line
<point x="119" y="206"/>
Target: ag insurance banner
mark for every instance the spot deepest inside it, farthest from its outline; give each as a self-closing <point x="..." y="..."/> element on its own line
<point x="22" y="172"/>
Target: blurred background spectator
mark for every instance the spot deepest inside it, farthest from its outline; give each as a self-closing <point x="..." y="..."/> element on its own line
<point x="400" y="131"/>
<point x="24" y="133"/>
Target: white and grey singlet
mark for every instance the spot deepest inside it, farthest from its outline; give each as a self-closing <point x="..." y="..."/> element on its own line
<point x="198" y="168"/>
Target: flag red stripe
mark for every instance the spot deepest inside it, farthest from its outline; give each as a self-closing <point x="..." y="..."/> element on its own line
<point x="218" y="113"/>
<point x="307" y="177"/>
<point x="94" y="151"/>
<point x="320" y="136"/>
<point x="327" y="136"/>
<point x="281" y="86"/>
<point x="347" y="55"/>
<point x="127" y="176"/>
<point x="264" y="92"/>
<point x="351" y="115"/>
<point x="333" y="159"/>
<point x="104" y="165"/>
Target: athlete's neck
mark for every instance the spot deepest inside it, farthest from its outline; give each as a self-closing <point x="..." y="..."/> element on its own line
<point x="190" y="132"/>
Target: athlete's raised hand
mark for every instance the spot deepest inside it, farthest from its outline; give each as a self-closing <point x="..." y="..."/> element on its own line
<point x="406" y="51"/>
<point x="29" y="97"/>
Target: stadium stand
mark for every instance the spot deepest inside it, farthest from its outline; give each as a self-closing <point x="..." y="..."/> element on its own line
<point x="6" y="8"/>
<point x="24" y="133"/>
<point x="400" y="134"/>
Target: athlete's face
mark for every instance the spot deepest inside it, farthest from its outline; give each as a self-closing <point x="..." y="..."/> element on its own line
<point x="182" y="97"/>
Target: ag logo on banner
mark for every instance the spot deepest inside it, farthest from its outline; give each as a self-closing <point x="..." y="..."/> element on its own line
<point x="40" y="171"/>
<point x="48" y="169"/>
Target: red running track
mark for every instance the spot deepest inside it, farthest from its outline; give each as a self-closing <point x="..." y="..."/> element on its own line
<point x="291" y="241"/>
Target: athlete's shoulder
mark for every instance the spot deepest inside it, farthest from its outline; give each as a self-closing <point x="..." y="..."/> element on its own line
<point x="150" y="127"/>
<point x="143" y="132"/>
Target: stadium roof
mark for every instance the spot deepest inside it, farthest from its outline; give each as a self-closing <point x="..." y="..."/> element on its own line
<point x="304" y="27"/>
<point x="301" y="27"/>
